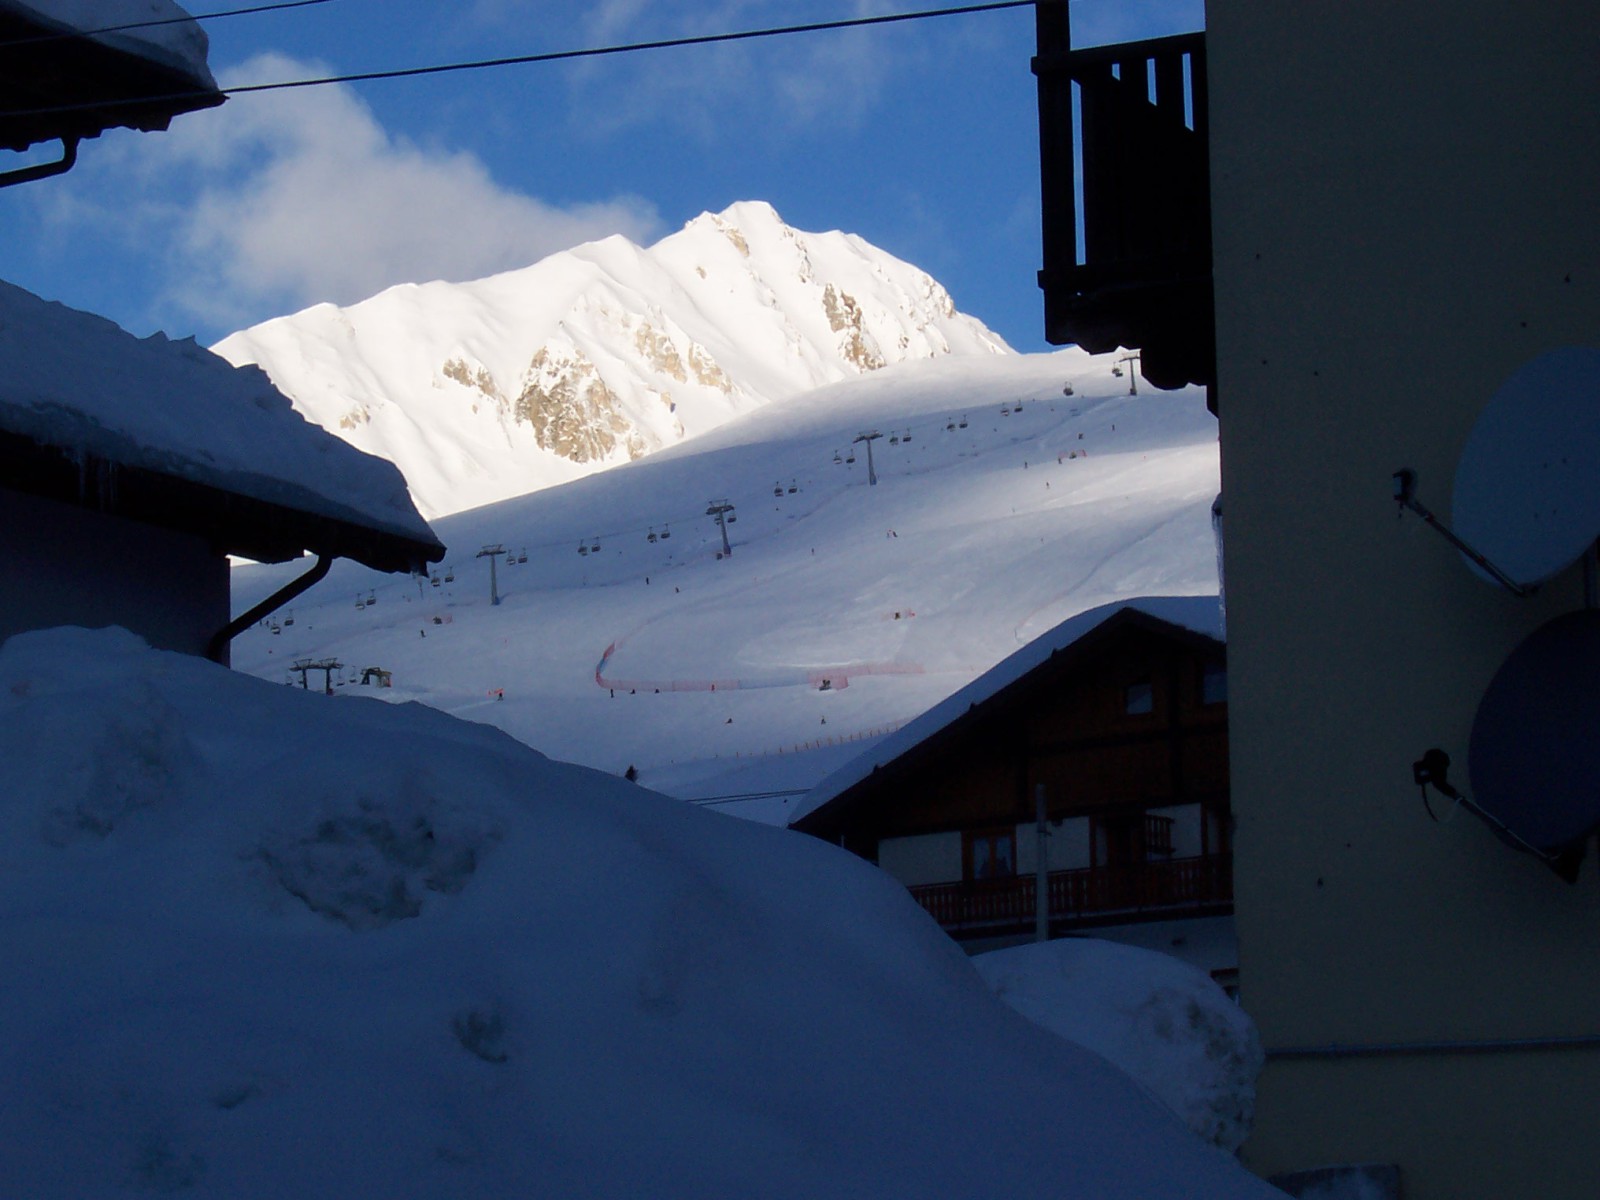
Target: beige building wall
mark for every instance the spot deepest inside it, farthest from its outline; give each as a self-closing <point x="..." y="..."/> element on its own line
<point x="1406" y="209"/>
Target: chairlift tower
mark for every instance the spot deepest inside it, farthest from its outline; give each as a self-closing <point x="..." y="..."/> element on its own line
<point x="1132" y="358"/>
<point x="492" y="553"/>
<point x="720" y="510"/>
<point x="326" y="665"/>
<point x="869" y="438"/>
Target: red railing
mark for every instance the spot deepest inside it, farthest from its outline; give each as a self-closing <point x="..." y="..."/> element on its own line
<point x="1184" y="883"/>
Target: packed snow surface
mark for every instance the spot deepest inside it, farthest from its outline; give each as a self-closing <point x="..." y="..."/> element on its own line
<point x="1161" y="1020"/>
<point x="264" y="943"/>
<point x="165" y="33"/>
<point x="1003" y="507"/>
<point x="602" y="354"/>
<point x="77" y="381"/>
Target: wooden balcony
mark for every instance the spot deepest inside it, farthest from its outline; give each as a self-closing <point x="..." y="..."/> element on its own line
<point x="1177" y="887"/>
<point x="1128" y="127"/>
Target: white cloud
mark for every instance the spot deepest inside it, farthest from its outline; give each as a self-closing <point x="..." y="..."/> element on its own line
<point x="818" y="83"/>
<point x="279" y="200"/>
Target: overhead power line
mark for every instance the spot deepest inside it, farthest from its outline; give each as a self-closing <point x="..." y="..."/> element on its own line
<point x="590" y="52"/>
<point x="232" y="12"/>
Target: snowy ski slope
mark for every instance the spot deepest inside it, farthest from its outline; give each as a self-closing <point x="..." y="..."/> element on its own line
<point x="844" y="609"/>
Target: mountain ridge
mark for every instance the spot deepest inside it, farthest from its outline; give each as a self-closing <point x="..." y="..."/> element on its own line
<point x="602" y="354"/>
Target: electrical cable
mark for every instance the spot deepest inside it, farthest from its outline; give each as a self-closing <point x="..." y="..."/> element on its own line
<point x="232" y="12"/>
<point x="568" y="55"/>
<point x="738" y="796"/>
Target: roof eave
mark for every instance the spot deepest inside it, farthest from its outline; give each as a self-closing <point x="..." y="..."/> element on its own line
<point x="56" y="83"/>
<point x="232" y="523"/>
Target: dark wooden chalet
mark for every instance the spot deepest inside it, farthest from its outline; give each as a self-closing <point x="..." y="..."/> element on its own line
<point x="1120" y="716"/>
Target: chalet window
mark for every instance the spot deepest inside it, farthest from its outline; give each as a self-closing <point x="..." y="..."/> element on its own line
<point x="990" y="853"/>
<point x="1214" y="684"/>
<point x="1139" y="698"/>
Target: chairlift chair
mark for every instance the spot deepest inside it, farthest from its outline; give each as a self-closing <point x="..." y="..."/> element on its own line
<point x="777" y="489"/>
<point x="950" y="428"/>
<point x="450" y="576"/>
<point x="894" y="439"/>
<point x="906" y="436"/>
<point x="289" y="618"/>
<point x="851" y="459"/>
<point x="434" y="581"/>
<point x="963" y="422"/>
<point x="836" y="457"/>
<point x="523" y="557"/>
<point x="583" y="549"/>
<point x="1117" y="371"/>
<point x="665" y="533"/>
<point x="651" y="538"/>
<point x="793" y="488"/>
<point x="594" y="546"/>
<point x="1018" y="408"/>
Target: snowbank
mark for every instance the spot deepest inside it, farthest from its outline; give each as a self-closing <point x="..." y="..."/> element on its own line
<point x="76" y="380"/>
<point x="1162" y="1021"/>
<point x="263" y="942"/>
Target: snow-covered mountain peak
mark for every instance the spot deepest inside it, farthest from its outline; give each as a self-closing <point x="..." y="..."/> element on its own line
<point x="604" y="353"/>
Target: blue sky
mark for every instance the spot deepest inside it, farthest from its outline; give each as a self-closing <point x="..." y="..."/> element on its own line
<point x="920" y="137"/>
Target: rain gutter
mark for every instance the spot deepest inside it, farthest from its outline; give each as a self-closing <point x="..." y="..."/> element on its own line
<point x="217" y="648"/>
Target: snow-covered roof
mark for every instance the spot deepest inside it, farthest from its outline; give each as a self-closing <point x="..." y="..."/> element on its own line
<point x="1200" y="614"/>
<point x="98" y="64"/>
<point x="78" y="383"/>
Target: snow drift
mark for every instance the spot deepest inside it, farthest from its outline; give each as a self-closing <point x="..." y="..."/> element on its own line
<point x="1161" y="1020"/>
<point x="267" y="943"/>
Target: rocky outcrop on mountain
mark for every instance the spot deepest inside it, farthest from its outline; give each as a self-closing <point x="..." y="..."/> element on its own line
<point x="598" y="355"/>
<point x="571" y="410"/>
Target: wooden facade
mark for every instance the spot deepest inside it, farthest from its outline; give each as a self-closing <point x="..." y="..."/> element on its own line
<point x="1125" y="729"/>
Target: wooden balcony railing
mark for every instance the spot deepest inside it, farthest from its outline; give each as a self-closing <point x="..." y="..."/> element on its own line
<point x="1193" y="884"/>
<point x="1127" y="126"/>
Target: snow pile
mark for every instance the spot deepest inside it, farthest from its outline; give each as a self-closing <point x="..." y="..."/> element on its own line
<point x="177" y="41"/>
<point x="265" y="943"/>
<point x="602" y="354"/>
<point x="75" y="380"/>
<point x="1165" y="1023"/>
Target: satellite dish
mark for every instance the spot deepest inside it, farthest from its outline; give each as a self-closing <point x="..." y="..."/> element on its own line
<point x="1527" y="492"/>
<point x="1534" y="758"/>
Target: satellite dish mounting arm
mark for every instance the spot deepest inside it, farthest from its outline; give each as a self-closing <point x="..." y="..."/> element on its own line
<point x="1405" y="495"/>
